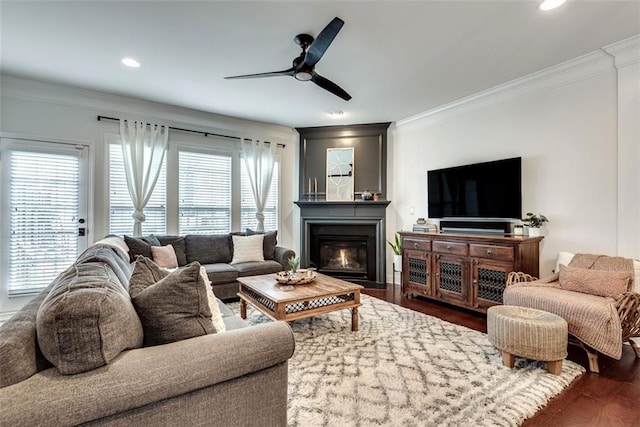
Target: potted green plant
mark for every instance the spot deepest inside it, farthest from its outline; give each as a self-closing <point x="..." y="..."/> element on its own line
<point x="534" y="222"/>
<point x="397" y="252"/>
<point x="294" y="264"/>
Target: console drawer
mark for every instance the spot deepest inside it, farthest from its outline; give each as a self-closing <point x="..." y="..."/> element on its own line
<point x="416" y="244"/>
<point x="455" y="248"/>
<point x="501" y="253"/>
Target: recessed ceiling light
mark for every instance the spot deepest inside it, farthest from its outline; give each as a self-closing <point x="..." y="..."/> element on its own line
<point x="130" y="62"/>
<point x="336" y="113"/>
<point x="550" y="4"/>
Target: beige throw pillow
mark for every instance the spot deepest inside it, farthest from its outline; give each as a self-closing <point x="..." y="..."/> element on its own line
<point x="595" y="282"/>
<point x="216" y="314"/>
<point x="247" y="248"/>
<point x="164" y="256"/>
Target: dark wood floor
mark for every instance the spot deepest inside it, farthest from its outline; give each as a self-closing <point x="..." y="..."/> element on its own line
<point x="610" y="398"/>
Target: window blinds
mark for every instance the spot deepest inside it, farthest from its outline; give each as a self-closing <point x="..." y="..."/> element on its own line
<point x="43" y="204"/>
<point x="120" y="206"/>
<point x="204" y="186"/>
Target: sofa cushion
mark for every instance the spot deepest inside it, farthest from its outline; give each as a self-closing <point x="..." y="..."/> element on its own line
<point x="87" y="319"/>
<point x="208" y="249"/>
<point x="592" y="319"/>
<point x="164" y="256"/>
<point x="595" y="282"/>
<point x="174" y="308"/>
<point x="141" y="245"/>
<point x="19" y="351"/>
<point x="221" y="273"/>
<point x="110" y="256"/>
<point x="247" y="248"/>
<point x="179" y="246"/>
<point x="269" y="244"/>
<point x="255" y="268"/>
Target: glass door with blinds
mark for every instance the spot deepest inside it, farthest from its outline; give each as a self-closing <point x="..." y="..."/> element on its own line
<point x="44" y="213"/>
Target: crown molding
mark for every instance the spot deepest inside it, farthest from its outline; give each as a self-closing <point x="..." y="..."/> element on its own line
<point x="562" y="74"/>
<point x="625" y="52"/>
<point x="123" y="106"/>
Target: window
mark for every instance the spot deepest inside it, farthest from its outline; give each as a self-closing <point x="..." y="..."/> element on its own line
<point x="204" y="187"/>
<point x="120" y="206"/>
<point x="248" y="209"/>
<point x="46" y="207"/>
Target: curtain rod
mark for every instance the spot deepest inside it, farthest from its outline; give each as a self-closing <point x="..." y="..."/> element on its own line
<point x="100" y="118"/>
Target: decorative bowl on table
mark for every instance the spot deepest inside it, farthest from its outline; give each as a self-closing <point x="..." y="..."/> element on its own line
<point x="298" y="278"/>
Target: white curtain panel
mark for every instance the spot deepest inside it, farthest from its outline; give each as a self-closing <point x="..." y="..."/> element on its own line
<point x="143" y="150"/>
<point x="259" y="160"/>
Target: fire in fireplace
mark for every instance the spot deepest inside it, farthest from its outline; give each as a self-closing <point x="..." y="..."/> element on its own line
<point x="344" y="251"/>
<point x="343" y="255"/>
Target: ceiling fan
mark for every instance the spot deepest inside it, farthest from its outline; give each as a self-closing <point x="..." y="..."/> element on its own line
<point x="303" y="68"/>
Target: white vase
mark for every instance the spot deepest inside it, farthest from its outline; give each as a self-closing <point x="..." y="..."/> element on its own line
<point x="397" y="262"/>
<point x="534" y="231"/>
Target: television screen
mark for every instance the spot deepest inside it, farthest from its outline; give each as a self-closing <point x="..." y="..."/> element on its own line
<point x="481" y="190"/>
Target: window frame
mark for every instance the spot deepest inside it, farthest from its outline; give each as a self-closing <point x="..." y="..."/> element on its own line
<point x="114" y="140"/>
<point x="53" y="147"/>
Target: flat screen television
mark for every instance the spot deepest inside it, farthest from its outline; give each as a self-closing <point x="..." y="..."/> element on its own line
<point x="480" y="190"/>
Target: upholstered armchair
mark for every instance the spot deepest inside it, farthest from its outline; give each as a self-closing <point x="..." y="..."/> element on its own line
<point x="594" y="294"/>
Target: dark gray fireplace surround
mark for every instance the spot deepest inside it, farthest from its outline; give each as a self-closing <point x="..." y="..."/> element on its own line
<point x="353" y="226"/>
<point x="348" y="217"/>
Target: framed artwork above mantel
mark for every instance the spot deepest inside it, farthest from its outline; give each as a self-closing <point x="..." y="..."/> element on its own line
<point x="369" y="143"/>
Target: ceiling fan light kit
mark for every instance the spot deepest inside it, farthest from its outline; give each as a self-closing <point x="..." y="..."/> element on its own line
<point x="303" y="68"/>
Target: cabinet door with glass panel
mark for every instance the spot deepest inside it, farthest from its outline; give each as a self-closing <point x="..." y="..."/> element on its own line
<point x="416" y="267"/>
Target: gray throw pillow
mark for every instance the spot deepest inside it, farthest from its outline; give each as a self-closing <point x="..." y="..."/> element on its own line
<point x="179" y="246"/>
<point x="208" y="248"/>
<point x="141" y="246"/>
<point x="87" y="319"/>
<point x="269" y="244"/>
<point x="145" y="272"/>
<point x="174" y="308"/>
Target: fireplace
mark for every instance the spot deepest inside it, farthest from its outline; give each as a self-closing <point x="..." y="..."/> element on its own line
<point x="345" y="240"/>
<point x="344" y="251"/>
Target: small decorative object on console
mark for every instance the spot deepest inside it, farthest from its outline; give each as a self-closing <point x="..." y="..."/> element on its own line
<point x="301" y="277"/>
<point x="534" y="220"/>
<point x="367" y="195"/>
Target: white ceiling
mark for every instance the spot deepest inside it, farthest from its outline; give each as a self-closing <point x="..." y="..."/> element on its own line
<point x="396" y="58"/>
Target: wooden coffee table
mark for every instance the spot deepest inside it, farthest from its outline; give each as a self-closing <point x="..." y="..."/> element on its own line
<point x="323" y="295"/>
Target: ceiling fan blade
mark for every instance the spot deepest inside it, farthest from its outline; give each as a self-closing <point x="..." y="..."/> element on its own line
<point x="288" y="72"/>
<point x="330" y="86"/>
<point x="322" y="42"/>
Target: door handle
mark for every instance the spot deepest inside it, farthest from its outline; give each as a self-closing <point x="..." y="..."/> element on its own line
<point x="82" y="231"/>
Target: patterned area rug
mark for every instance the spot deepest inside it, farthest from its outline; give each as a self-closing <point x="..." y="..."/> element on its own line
<point x="404" y="368"/>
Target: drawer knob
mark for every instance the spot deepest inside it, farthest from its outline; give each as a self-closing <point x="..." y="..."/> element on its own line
<point x="489" y="252"/>
<point x="415" y="245"/>
<point x="448" y="247"/>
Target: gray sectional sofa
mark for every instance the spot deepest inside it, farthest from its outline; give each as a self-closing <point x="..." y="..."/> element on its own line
<point x="237" y="377"/>
<point x="215" y="253"/>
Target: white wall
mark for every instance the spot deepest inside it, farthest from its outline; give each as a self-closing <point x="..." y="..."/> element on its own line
<point x="563" y="122"/>
<point x="627" y="63"/>
<point x="51" y="112"/>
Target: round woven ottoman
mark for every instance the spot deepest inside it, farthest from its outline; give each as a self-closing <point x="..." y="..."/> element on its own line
<point x="529" y="333"/>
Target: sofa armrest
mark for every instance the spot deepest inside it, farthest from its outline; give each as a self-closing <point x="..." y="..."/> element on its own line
<point x="519" y="277"/>
<point x="145" y="375"/>
<point x="282" y="256"/>
<point x="628" y="308"/>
